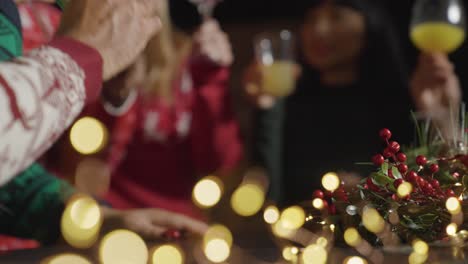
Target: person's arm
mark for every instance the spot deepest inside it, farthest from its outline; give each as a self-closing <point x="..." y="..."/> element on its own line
<point x="40" y="95"/>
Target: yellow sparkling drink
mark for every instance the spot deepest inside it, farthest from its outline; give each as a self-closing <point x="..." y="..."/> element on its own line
<point x="278" y="78"/>
<point x="437" y="37"/>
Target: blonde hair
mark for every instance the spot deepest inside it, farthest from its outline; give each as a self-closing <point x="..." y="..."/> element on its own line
<point x="163" y="57"/>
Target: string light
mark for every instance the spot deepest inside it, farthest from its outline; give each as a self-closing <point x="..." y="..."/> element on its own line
<point x="66" y="259"/>
<point x="318" y="203"/>
<point x="314" y="254"/>
<point x="81" y="221"/>
<point x="321" y="241"/>
<point x="330" y="181"/>
<point x="123" y="246"/>
<point x="217" y="250"/>
<point x="352" y="237"/>
<point x="207" y="192"/>
<point x="293" y="217"/>
<point x="453" y="205"/>
<point x="218" y="232"/>
<point x="451" y="229"/>
<point x="88" y="135"/>
<point x="167" y="254"/>
<point x="248" y="199"/>
<point x="372" y="220"/>
<point x="271" y="214"/>
<point x="354" y="260"/>
<point x="420" y="247"/>
<point x="404" y="189"/>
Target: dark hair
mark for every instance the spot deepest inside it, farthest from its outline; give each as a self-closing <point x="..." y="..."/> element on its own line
<point x="381" y="61"/>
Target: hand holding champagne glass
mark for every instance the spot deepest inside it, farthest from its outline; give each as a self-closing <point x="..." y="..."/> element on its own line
<point x="438" y="25"/>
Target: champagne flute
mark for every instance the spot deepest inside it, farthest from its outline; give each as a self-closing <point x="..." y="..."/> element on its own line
<point x="205" y="7"/>
<point x="438" y="25"/>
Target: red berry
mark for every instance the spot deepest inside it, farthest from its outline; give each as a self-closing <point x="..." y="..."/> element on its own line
<point x="385" y="134"/>
<point x="434" y="168"/>
<point x="401" y="157"/>
<point x="449" y="193"/>
<point x="325" y="204"/>
<point x="328" y="194"/>
<point x="421" y="160"/>
<point x="394" y="146"/>
<point x="332" y="209"/>
<point x="172" y="234"/>
<point x="390" y="174"/>
<point x="318" y="194"/>
<point x="371" y="185"/>
<point x="397" y="182"/>
<point x="366" y="187"/>
<point x="394" y="197"/>
<point x="412" y="176"/>
<point x="403" y="168"/>
<point x="435" y="183"/>
<point x="378" y="160"/>
<point x="387" y="152"/>
<point x="421" y="182"/>
<point x="456" y="175"/>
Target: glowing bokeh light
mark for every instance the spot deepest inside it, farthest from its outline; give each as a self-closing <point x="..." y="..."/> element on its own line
<point x="314" y="254"/>
<point x="280" y="230"/>
<point x="287" y="253"/>
<point x="218" y="232"/>
<point x="420" y="247"/>
<point x="416" y="258"/>
<point x="271" y="214"/>
<point x="451" y="229"/>
<point x="81" y="221"/>
<point x="332" y="227"/>
<point x="352" y="237"/>
<point x="248" y="199"/>
<point x="293" y="217"/>
<point x="318" y="203"/>
<point x="321" y="241"/>
<point x="123" y="246"/>
<point x="330" y="181"/>
<point x="67" y="258"/>
<point x="372" y="220"/>
<point x="354" y="260"/>
<point x="217" y="250"/>
<point x="207" y="192"/>
<point x="167" y="254"/>
<point x="453" y="205"/>
<point x="88" y="135"/>
<point x="404" y="189"/>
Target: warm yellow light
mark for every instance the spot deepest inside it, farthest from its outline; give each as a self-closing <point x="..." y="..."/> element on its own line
<point x="404" y="189"/>
<point x="67" y="258"/>
<point x="88" y="135"/>
<point x="287" y="253"/>
<point x="207" y="192"/>
<point x="293" y="217"/>
<point x="317" y="203"/>
<point x="352" y="237"/>
<point x="332" y="227"/>
<point x="330" y="181"/>
<point x="451" y="229"/>
<point x="314" y="254"/>
<point x="416" y="258"/>
<point x="167" y="254"/>
<point x="321" y="241"/>
<point x="354" y="260"/>
<point x="420" y="247"/>
<point x="123" y="246"/>
<point x="217" y="250"/>
<point x="372" y="220"/>
<point x="271" y="214"/>
<point x="280" y="231"/>
<point x="81" y="221"/>
<point x="453" y="205"/>
<point x="294" y="250"/>
<point x="218" y="232"/>
<point x="248" y="199"/>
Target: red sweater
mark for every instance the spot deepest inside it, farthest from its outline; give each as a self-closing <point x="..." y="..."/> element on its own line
<point x="157" y="152"/>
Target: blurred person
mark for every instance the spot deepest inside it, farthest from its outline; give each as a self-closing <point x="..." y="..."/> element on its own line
<point x="353" y="83"/>
<point x="31" y="202"/>
<point x="169" y="119"/>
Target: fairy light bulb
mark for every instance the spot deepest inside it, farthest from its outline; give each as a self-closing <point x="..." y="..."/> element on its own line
<point x="217" y="250"/>
<point x="207" y="192"/>
<point x="81" y="221"/>
<point x="317" y="203"/>
<point x="293" y="217"/>
<point x="451" y="229"/>
<point x="322" y="241"/>
<point x="67" y="258"/>
<point x="420" y="247"/>
<point x="271" y="214"/>
<point x="352" y="237"/>
<point x="314" y="254"/>
<point x="123" y="246"/>
<point x="330" y="181"/>
<point x="167" y="254"/>
<point x="287" y="254"/>
<point x="453" y="205"/>
<point x="248" y="199"/>
<point x="404" y="189"/>
<point x="280" y="230"/>
<point x="88" y="135"/>
<point x="218" y="232"/>
<point x="372" y="220"/>
<point x="354" y="260"/>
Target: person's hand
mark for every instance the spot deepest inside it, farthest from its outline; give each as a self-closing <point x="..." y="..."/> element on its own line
<point x="212" y="43"/>
<point x="118" y="29"/>
<point x="252" y="83"/>
<point x="434" y="86"/>
<point x="153" y="223"/>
